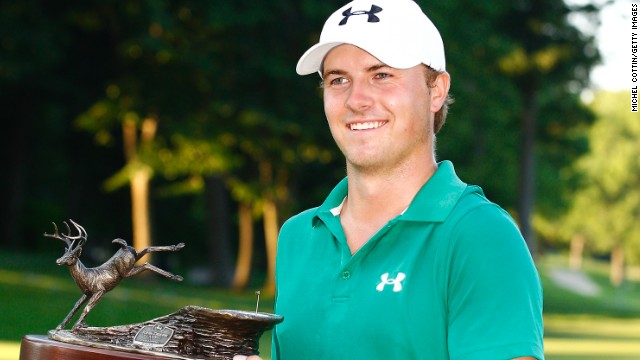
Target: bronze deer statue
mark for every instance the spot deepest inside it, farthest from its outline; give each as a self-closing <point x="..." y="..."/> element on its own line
<point x="95" y="282"/>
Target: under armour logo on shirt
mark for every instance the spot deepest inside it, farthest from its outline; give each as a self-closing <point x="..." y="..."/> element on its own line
<point x="372" y="14"/>
<point x="397" y="282"/>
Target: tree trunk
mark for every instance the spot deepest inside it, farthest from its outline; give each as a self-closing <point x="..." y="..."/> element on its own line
<point x="219" y="232"/>
<point x="270" y="221"/>
<point x="271" y="241"/>
<point x="245" y="247"/>
<point x="576" y="251"/>
<point x="527" y="168"/>
<point x="616" y="275"/>
<point x="139" y="184"/>
<point x="139" y="180"/>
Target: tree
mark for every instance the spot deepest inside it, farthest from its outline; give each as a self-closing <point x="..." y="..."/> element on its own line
<point x="549" y="54"/>
<point x="46" y="80"/>
<point x="516" y="76"/>
<point x="606" y="206"/>
<point x="223" y="102"/>
<point x="234" y="142"/>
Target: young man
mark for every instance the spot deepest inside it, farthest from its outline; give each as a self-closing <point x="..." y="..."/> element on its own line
<point x="403" y="260"/>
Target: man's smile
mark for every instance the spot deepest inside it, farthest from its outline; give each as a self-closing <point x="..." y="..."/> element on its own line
<point x="366" y="125"/>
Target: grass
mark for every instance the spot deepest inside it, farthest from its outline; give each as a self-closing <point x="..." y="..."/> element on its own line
<point x="588" y="337"/>
<point x="623" y="301"/>
<point x="602" y="327"/>
<point x="35" y="295"/>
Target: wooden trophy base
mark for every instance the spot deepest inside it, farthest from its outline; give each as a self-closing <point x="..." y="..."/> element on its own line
<point x="192" y="332"/>
<point x="40" y="347"/>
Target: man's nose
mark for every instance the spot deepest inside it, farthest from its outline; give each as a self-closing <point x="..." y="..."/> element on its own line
<point x="360" y="96"/>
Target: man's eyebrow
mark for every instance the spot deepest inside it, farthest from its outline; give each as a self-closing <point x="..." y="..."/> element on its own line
<point x="333" y="72"/>
<point x="377" y="67"/>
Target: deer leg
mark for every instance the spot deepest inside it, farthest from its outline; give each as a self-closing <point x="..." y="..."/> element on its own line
<point x="79" y="303"/>
<point x="92" y="302"/>
<point x="150" y="249"/>
<point x="147" y="266"/>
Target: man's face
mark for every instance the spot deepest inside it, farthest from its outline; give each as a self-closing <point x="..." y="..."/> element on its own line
<point x="379" y="116"/>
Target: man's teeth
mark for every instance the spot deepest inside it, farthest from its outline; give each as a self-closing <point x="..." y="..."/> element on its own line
<point x="366" y="125"/>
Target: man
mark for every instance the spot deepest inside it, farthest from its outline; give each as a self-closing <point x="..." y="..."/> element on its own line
<point x="403" y="260"/>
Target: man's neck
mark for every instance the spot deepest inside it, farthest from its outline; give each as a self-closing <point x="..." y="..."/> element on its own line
<point x="374" y="199"/>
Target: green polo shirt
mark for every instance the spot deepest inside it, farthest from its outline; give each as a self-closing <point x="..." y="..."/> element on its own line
<point x="449" y="278"/>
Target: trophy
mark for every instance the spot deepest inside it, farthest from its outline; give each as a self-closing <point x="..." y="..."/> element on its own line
<point x="192" y="332"/>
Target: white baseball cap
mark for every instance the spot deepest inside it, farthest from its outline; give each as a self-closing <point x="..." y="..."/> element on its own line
<point x="396" y="32"/>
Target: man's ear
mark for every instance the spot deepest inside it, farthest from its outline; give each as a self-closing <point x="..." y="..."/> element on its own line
<point x="439" y="91"/>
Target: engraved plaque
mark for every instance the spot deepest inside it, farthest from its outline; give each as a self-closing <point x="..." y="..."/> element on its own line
<point x="150" y="336"/>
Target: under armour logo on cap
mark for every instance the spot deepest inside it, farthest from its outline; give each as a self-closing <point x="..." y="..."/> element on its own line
<point x="372" y="14"/>
<point x="396" y="32"/>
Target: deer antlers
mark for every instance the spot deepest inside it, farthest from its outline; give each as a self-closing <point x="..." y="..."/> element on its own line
<point x="68" y="239"/>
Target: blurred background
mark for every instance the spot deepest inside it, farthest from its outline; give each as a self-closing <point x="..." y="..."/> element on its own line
<point x="184" y="121"/>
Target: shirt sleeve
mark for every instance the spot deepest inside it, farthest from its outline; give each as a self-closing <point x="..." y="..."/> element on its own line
<point x="494" y="294"/>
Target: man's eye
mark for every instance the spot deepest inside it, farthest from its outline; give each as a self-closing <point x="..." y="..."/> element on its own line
<point x="338" y="81"/>
<point x="382" y="76"/>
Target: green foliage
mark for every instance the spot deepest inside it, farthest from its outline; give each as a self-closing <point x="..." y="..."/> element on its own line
<point x="606" y="206"/>
<point x="510" y="57"/>
<point x="220" y="85"/>
<point x="219" y="78"/>
<point x="34" y="50"/>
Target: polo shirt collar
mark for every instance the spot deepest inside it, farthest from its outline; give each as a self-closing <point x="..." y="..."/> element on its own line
<point x="437" y="198"/>
<point x="433" y="203"/>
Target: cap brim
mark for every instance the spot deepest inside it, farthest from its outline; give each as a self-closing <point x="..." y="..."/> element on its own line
<point x="312" y="59"/>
